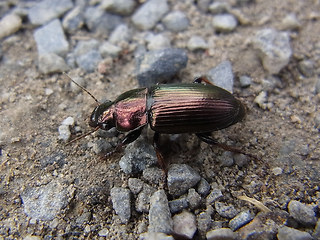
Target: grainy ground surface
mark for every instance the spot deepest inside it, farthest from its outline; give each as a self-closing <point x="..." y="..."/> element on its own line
<point x="284" y="136"/>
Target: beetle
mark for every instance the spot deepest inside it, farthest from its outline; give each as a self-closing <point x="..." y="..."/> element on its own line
<point x="169" y="108"/>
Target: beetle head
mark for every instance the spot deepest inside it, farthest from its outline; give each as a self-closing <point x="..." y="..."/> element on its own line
<point x="102" y="116"/>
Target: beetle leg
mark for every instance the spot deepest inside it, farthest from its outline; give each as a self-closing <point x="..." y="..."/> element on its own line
<point x="202" y="79"/>
<point x="161" y="161"/>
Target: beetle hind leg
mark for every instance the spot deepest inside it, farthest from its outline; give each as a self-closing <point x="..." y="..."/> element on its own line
<point x="161" y="161"/>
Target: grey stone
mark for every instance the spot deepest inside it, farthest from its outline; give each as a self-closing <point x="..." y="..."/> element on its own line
<point x="177" y="205"/>
<point x="287" y="233"/>
<point x="101" y="146"/>
<point x="221" y="233"/>
<point x="151" y="12"/>
<point x="121" y="34"/>
<point x="218" y="7"/>
<point x="197" y="43"/>
<point x="240" y="160"/>
<point x="135" y="185"/>
<point x="104" y="232"/>
<point x="45" y="202"/>
<point x="227" y="211"/>
<point x="316" y="232"/>
<point x="194" y="199"/>
<point x="138" y="156"/>
<point x="213" y="196"/>
<point x="302" y="213"/>
<point x="274" y="49"/>
<point x="240" y="220"/>
<point x="159" y="214"/>
<point x="160" y="65"/>
<point x="64" y="132"/>
<point x="222" y="76"/>
<point x="203" y="5"/>
<point x="155" y="236"/>
<point x="51" y="39"/>
<point x="245" y="81"/>
<point x="204" y="221"/>
<point x="153" y="175"/>
<point x="89" y="61"/>
<point x="52" y="63"/>
<point x="47" y="10"/>
<point x="108" y="49"/>
<point x="290" y="22"/>
<point x="121" y="203"/>
<point x="226" y="159"/>
<point x="176" y="21"/>
<point x="181" y="177"/>
<point x="101" y="22"/>
<point x="203" y="187"/>
<point x="143" y="199"/>
<point x="185" y="224"/>
<point x="159" y="41"/>
<point x="122" y="7"/>
<point x="74" y="20"/>
<point x="9" y="24"/>
<point x="306" y="67"/>
<point x="224" y="22"/>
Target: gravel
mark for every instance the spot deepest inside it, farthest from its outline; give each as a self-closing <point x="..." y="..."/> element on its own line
<point x="121" y="203"/>
<point x="185" y="224"/>
<point x="302" y="213"/>
<point x="9" y="24"/>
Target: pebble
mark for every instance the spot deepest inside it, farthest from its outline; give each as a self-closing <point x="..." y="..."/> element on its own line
<point x="68" y="121"/>
<point x="306" y="67"/>
<point x="261" y="99"/>
<point x="143" y="200"/>
<point x="316" y="232"/>
<point x="73" y="20"/>
<point x="87" y="55"/>
<point x="227" y="211"/>
<point x="45" y="202"/>
<point x="240" y="220"/>
<point x="64" y="132"/>
<point x="203" y="187"/>
<point x="149" y="14"/>
<point x="135" y="185"/>
<point x="302" y="213"/>
<point x="204" y="221"/>
<point x="158" y="41"/>
<point x="50" y="38"/>
<point x="160" y="65"/>
<point x="101" y="146"/>
<point x="177" y="205"/>
<point x="181" y="177"/>
<point x="277" y="171"/>
<point x="240" y="160"/>
<point x="194" y="199"/>
<point x="203" y="5"/>
<point x="138" y="156"/>
<point x="101" y="22"/>
<point x="153" y="175"/>
<point x="197" y="43"/>
<point x="108" y="49"/>
<point x="218" y="7"/>
<point x="121" y="203"/>
<point x="185" y="224"/>
<point x="274" y="49"/>
<point x="290" y="22"/>
<point x="56" y="159"/>
<point x="287" y="233"/>
<point x="121" y="7"/>
<point x="121" y="34"/>
<point x="176" y="21"/>
<point x="245" y="81"/>
<point x="46" y="10"/>
<point x="317" y="86"/>
<point x="159" y="214"/>
<point x="9" y="24"/>
<point x="213" y="196"/>
<point x="221" y="233"/>
<point x="222" y="76"/>
<point x="155" y="236"/>
<point x="226" y="159"/>
<point x="104" y="232"/>
<point x="51" y="63"/>
<point x="224" y="23"/>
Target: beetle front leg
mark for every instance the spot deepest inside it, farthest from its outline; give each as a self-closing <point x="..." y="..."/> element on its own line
<point x="161" y="161"/>
<point x="202" y="79"/>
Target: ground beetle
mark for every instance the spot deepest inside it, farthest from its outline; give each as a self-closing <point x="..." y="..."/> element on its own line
<point x="170" y="108"/>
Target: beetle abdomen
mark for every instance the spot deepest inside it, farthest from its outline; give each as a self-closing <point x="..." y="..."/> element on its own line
<point x="192" y="108"/>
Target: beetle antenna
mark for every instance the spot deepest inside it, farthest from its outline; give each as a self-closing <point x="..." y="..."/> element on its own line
<point x="82" y="136"/>
<point x="82" y="88"/>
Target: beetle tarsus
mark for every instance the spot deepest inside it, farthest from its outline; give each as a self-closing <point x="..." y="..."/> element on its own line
<point x="202" y="79"/>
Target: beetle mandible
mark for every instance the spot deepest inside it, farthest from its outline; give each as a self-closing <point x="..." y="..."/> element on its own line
<point x="170" y="108"/>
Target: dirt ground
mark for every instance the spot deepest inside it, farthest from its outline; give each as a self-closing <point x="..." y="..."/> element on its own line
<point x="284" y="136"/>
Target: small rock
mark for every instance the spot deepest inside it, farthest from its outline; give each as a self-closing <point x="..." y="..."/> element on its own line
<point x="240" y="160"/>
<point x="121" y="203"/>
<point x="176" y="21"/>
<point x="74" y="20"/>
<point x="197" y="43"/>
<point x="104" y="232"/>
<point x="122" y="7"/>
<point x="227" y="211"/>
<point x="159" y="41"/>
<point x="153" y="175"/>
<point x="261" y="100"/>
<point x="68" y="121"/>
<point x="101" y="22"/>
<point x="203" y="187"/>
<point x="181" y="177"/>
<point x="135" y="185"/>
<point x="45" y="202"/>
<point x="121" y="34"/>
<point x="287" y="233"/>
<point x="290" y="22"/>
<point x="224" y="22"/>
<point x="138" y="156"/>
<point x="51" y="63"/>
<point x="185" y="224"/>
<point x="226" y="159"/>
<point x="277" y="171"/>
<point x="108" y="49"/>
<point x="302" y="213"/>
<point x="46" y="10"/>
<point x="143" y="199"/>
<point x="160" y="65"/>
<point x="159" y="214"/>
<point x="306" y="68"/>
<point x="87" y="55"/>
<point x="31" y="237"/>
<point x="204" y="222"/>
<point x="274" y="49"/>
<point x="177" y="205"/>
<point x="221" y="233"/>
<point x="51" y="39"/>
<point x="151" y="12"/>
<point x="64" y="132"/>
<point x="316" y="232"/>
<point x="214" y="195"/>
<point x="155" y="236"/>
<point x="101" y="146"/>
<point x="218" y="7"/>
<point x="203" y="5"/>
<point x="317" y="87"/>
<point x="222" y="76"/>
<point x="194" y="198"/>
<point x="240" y="220"/>
<point x="9" y="24"/>
<point x="245" y="81"/>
